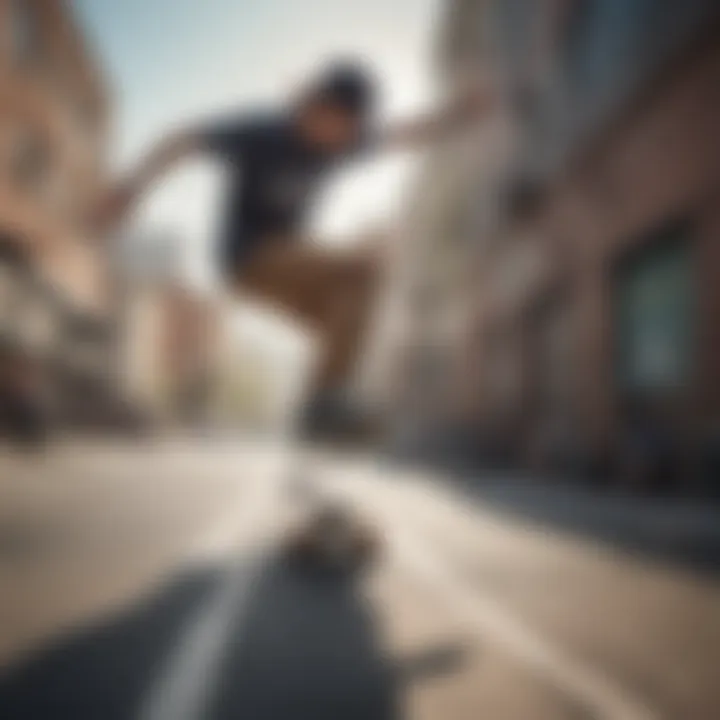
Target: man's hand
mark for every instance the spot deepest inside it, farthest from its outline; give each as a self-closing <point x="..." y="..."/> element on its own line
<point x="118" y="201"/>
<point x="468" y="106"/>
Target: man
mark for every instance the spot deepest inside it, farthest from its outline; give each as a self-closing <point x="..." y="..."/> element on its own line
<point x="276" y="161"/>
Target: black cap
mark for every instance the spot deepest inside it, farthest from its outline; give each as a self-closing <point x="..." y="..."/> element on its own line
<point x="347" y="84"/>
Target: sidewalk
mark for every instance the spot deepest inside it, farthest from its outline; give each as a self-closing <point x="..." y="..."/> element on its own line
<point x="680" y="530"/>
<point x="685" y="531"/>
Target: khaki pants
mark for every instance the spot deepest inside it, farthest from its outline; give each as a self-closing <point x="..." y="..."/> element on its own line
<point x="328" y="291"/>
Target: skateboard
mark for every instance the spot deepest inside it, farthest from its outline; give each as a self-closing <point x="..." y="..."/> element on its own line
<point x="333" y="537"/>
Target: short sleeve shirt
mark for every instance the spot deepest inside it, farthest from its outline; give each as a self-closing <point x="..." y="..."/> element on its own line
<point x="274" y="179"/>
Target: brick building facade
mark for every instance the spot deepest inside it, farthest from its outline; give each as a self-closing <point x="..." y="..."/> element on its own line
<point x="57" y="306"/>
<point x="595" y="316"/>
<point x="169" y="350"/>
<point x="53" y="131"/>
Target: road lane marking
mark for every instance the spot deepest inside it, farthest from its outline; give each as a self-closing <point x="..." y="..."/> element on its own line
<point x="186" y="685"/>
<point x="597" y="693"/>
<point x="185" y="689"/>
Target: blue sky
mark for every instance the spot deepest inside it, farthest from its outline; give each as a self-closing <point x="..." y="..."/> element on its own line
<point x="171" y="60"/>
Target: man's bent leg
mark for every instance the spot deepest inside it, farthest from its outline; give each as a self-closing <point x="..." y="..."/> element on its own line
<point x="330" y="291"/>
<point x="349" y="301"/>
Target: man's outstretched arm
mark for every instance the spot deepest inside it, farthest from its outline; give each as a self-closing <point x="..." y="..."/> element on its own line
<point x="464" y="111"/>
<point x="162" y="158"/>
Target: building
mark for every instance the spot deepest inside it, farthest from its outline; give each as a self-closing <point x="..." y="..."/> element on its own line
<point x="595" y="329"/>
<point x="55" y="277"/>
<point x="191" y="344"/>
<point x="454" y="208"/>
<point x="170" y="347"/>
<point x="169" y="334"/>
<point x="54" y="116"/>
<point x="255" y="390"/>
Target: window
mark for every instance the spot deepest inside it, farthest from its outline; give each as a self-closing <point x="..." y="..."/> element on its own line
<point x="13" y="275"/>
<point x="553" y="329"/>
<point x="24" y="31"/>
<point x="602" y="36"/>
<point x="513" y="22"/>
<point x="654" y="306"/>
<point x="38" y="321"/>
<point x="8" y="283"/>
<point x="611" y="45"/>
<point x="29" y="162"/>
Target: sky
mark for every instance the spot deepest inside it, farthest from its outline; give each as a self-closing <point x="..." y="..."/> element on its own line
<point x="173" y="61"/>
<point x="170" y="61"/>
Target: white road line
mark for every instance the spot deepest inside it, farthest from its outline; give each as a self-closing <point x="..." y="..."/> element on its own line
<point x="597" y="693"/>
<point x="185" y="687"/>
<point x="185" y="690"/>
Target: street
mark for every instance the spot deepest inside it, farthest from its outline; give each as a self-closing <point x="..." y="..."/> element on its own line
<point x="147" y="582"/>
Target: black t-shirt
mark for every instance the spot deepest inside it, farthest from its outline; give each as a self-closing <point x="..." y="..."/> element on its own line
<point x="274" y="178"/>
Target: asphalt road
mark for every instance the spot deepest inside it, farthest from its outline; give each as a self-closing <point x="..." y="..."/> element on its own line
<point x="149" y="582"/>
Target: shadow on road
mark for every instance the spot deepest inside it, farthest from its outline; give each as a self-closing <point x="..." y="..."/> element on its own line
<point x="104" y="671"/>
<point x="309" y="646"/>
<point x="298" y="646"/>
<point x="684" y="533"/>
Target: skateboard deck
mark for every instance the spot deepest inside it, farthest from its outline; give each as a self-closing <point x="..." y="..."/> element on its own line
<point x="330" y="534"/>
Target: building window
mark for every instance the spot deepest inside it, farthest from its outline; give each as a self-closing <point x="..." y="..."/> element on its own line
<point x="601" y="37"/>
<point x="13" y="277"/>
<point x="552" y="327"/>
<point x="610" y="46"/>
<point x="655" y="313"/>
<point x="8" y="283"/>
<point x="513" y="23"/>
<point x="29" y="163"/>
<point x="24" y="31"/>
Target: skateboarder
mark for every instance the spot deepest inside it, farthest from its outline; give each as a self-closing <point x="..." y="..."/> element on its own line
<point x="277" y="159"/>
